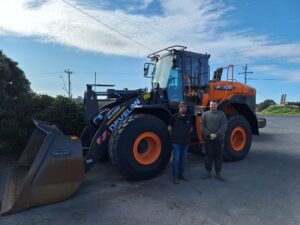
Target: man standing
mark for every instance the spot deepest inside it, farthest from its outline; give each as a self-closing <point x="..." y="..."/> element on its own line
<point x="180" y="132"/>
<point x="214" y="125"/>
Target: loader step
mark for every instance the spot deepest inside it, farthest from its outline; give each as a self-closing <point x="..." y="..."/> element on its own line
<point x="261" y="122"/>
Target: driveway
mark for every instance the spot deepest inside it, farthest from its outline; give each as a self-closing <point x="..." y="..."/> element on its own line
<point x="261" y="189"/>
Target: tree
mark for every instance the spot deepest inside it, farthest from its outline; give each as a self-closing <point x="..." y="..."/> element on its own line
<point x="19" y="105"/>
<point x="14" y="92"/>
<point x="66" y="114"/>
<point x="265" y="104"/>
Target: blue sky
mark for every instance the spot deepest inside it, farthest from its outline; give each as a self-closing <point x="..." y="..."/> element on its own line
<point x="48" y="36"/>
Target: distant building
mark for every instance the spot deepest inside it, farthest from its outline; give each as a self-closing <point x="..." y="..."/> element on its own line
<point x="283" y="99"/>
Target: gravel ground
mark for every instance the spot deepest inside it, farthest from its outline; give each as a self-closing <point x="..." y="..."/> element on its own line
<point x="261" y="189"/>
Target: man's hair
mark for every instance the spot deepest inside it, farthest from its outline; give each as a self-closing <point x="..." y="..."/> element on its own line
<point x="182" y="104"/>
<point x="213" y="100"/>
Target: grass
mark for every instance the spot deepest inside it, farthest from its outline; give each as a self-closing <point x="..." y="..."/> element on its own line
<point x="281" y="110"/>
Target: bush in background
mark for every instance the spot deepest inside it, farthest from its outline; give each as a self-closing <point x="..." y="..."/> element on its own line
<point x="19" y="105"/>
<point x="15" y="100"/>
<point x="265" y="104"/>
<point x="65" y="114"/>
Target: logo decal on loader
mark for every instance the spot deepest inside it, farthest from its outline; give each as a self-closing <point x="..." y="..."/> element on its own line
<point x="146" y="96"/>
<point x="116" y="113"/>
<point x="124" y="115"/>
<point x="224" y="88"/>
<point x="113" y="112"/>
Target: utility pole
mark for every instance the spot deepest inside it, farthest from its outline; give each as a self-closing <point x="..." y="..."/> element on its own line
<point x="95" y="80"/>
<point x="245" y="72"/>
<point x="284" y="99"/>
<point x="69" y="82"/>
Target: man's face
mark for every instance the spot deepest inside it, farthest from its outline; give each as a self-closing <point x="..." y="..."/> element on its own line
<point x="182" y="109"/>
<point x="213" y="106"/>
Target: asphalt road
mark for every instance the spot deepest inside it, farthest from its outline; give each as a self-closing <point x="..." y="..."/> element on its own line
<point x="262" y="189"/>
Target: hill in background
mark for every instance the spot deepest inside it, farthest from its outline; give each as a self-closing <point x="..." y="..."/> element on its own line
<point x="281" y="110"/>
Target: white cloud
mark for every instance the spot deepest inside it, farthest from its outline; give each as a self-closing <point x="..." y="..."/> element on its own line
<point x="139" y="5"/>
<point x="292" y="75"/>
<point x="202" y="25"/>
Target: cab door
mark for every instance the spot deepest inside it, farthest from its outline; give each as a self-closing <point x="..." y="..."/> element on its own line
<point x="192" y="80"/>
<point x="175" y="83"/>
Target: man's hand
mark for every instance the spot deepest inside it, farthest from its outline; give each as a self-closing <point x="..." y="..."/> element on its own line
<point x="213" y="136"/>
<point x="170" y="129"/>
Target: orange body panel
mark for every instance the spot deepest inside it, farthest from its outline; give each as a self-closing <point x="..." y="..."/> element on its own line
<point x="225" y="90"/>
<point x="199" y="130"/>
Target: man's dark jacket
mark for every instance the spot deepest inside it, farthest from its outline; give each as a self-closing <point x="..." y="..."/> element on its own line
<point x="181" y="127"/>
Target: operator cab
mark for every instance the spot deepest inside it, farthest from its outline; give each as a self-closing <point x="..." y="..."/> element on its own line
<point x="179" y="75"/>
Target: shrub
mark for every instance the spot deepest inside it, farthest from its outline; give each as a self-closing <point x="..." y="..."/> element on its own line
<point x="265" y="104"/>
<point x="19" y="105"/>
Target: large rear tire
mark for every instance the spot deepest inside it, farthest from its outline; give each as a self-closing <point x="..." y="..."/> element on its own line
<point x="238" y="138"/>
<point x="140" y="148"/>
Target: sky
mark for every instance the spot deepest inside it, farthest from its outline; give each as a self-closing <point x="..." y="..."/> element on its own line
<point x="113" y="38"/>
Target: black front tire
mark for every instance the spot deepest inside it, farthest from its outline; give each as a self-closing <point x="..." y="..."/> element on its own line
<point x="120" y="147"/>
<point x="229" y="153"/>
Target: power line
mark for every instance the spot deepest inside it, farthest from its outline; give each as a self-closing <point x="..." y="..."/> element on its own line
<point x="111" y="28"/>
<point x="265" y="79"/>
<point x="108" y="74"/>
<point x="44" y="74"/>
<point x="64" y="87"/>
<point x="50" y="73"/>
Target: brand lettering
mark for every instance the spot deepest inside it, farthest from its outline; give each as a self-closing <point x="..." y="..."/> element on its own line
<point x="226" y="87"/>
<point x="123" y="115"/>
<point x="115" y="110"/>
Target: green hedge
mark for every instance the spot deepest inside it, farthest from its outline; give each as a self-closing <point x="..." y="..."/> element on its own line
<point x="64" y="113"/>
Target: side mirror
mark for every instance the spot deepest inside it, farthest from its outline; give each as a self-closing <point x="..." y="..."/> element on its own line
<point x="146" y="69"/>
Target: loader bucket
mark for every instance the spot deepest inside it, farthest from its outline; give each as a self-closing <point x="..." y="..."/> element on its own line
<point x="50" y="169"/>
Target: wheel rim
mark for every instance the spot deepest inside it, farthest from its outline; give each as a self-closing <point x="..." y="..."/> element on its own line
<point x="146" y="148"/>
<point x="238" y="139"/>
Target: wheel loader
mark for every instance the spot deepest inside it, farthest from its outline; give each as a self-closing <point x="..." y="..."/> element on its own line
<point x="130" y="128"/>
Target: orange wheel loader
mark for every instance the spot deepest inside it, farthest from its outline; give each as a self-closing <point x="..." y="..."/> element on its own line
<point x="130" y="128"/>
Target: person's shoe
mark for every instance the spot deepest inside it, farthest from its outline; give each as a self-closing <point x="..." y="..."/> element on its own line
<point x="219" y="177"/>
<point x="183" y="178"/>
<point x="175" y="180"/>
<point x="207" y="175"/>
